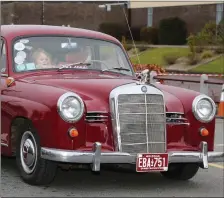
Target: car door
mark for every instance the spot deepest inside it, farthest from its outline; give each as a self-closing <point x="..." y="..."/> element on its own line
<point x="5" y="115"/>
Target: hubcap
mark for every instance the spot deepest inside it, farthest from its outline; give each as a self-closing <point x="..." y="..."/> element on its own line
<point x="28" y="152"/>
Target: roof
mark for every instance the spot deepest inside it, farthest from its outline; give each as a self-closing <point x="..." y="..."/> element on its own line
<point x="12" y="31"/>
<point x="148" y="4"/>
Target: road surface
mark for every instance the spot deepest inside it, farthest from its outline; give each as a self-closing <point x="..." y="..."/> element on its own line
<point x="207" y="183"/>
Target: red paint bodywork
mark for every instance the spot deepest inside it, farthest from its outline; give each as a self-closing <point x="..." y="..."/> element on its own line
<point x="34" y="96"/>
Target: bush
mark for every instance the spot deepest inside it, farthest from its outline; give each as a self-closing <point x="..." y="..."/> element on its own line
<point x="220" y="32"/>
<point x="114" y="29"/>
<point x="123" y="41"/>
<point x="170" y="58"/>
<point x="149" y="34"/>
<point x="128" y="47"/>
<point x="193" y="59"/>
<point x="196" y="43"/>
<point x="199" y="49"/>
<point x="134" y="51"/>
<point x="208" y="33"/>
<point x="141" y="49"/>
<point x="191" y="41"/>
<point x="206" y="54"/>
<point x="172" y="31"/>
<point x="135" y="33"/>
<point x="219" y="49"/>
<point x="211" y="34"/>
<point x="151" y="67"/>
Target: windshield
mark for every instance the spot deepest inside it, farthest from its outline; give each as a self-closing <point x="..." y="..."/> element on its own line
<point x="44" y="53"/>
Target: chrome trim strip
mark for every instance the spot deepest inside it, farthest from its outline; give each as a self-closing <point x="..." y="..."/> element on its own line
<point x="181" y="123"/>
<point x="4" y="144"/>
<point x="144" y="143"/>
<point x="95" y="120"/>
<point x="176" y="118"/>
<point x="168" y="112"/>
<point x="96" y="157"/>
<point x="90" y="117"/>
<point x="4" y="75"/>
<point x="145" y="103"/>
<point x="96" y="116"/>
<point x="103" y="112"/>
<point x="143" y="113"/>
<point x="146" y="125"/>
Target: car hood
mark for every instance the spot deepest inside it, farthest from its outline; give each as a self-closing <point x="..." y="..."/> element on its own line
<point x="95" y="92"/>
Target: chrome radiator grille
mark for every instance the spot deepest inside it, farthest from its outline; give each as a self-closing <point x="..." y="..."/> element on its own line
<point x="142" y="123"/>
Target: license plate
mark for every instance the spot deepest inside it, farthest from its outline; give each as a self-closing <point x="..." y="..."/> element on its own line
<point x="147" y="162"/>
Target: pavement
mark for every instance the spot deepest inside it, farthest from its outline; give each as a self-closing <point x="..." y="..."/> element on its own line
<point x="82" y="183"/>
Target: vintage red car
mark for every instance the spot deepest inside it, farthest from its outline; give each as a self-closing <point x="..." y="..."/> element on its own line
<point x="70" y="96"/>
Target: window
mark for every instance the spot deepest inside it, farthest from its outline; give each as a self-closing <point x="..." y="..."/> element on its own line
<point x="3" y="65"/>
<point x="150" y="17"/>
<point x="112" y="56"/>
<point x="52" y="52"/>
<point x="219" y="12"/>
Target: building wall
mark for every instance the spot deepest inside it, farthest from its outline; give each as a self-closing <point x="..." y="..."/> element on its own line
<point x="196" y="16"/>
<point x="81" y="15"/>
<point x="7" y="11"/>
<point x="138" y="17"/>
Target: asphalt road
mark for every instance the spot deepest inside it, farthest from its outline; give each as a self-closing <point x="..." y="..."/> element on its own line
<point x="207" y="183"/>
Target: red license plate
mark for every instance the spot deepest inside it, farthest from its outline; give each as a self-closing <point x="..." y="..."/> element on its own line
<point x="147" y="162"/>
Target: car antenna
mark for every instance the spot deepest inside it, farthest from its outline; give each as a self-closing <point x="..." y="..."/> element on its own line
<point x="108" y="9"/>
<point x="126" y="18"/>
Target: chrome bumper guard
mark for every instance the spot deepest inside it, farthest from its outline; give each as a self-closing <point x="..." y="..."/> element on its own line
<point x="96" y="157"/>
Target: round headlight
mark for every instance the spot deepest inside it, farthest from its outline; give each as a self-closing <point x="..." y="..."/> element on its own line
<point x="70" y="107"/>
<point x="204" y="108"/>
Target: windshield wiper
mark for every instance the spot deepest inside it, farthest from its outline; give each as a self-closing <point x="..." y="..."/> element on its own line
<point x="118" y="68"/>
<point x="73" y="64"/>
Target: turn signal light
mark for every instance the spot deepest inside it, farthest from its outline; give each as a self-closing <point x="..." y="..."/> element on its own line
<point x="204" y="132"/>
<point x="73" y="132"/>
<point x="9" y="81"/>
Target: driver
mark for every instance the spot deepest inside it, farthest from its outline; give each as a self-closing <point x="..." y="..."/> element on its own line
<point x="82" y="54"/>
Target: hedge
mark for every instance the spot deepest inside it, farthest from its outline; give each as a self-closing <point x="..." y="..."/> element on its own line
<point x="172" y="31"/>
<point x="150" y="35"/>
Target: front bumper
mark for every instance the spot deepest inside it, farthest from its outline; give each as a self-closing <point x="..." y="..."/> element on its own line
<point x="96" y="157"/>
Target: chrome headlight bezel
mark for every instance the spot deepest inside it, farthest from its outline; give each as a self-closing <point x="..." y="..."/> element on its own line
<point x="59" y="107"/>
<point x="194" y="108"/>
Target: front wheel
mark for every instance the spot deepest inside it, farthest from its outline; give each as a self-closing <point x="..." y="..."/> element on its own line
<point x="33" y="169"/>
<point x="181" y="171"/>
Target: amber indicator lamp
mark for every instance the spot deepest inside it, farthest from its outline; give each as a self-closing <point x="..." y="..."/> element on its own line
<point x="9" y="81"/>
<point x="204" y="132"/>
<point x="73" y="132"/>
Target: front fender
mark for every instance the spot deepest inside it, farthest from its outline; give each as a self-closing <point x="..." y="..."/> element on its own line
<point x="38" y="114"/>
<point x="50" y="127"/>
<point x="186" y="97"/>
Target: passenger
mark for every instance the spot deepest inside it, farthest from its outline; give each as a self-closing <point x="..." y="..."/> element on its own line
<point x="42" y="59"/>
